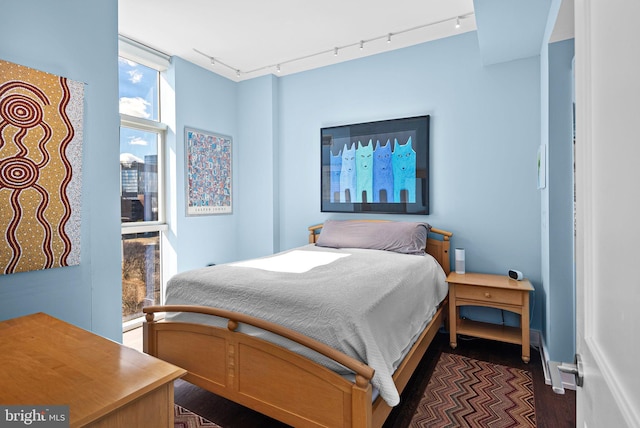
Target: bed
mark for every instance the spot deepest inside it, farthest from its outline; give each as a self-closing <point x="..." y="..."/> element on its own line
<point x="306" y="375"/>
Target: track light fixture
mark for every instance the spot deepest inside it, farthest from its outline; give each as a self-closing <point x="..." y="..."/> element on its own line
<point x="216" y="61"/>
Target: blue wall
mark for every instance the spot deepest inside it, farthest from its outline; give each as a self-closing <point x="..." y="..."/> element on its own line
<point x="78" y="40"/>
<point x="207" y="101"/>
<point x="486" y="126"/>
<point x="559" y="324"/>
<point x="485" y="131"/>
<point x="257" y="151"/>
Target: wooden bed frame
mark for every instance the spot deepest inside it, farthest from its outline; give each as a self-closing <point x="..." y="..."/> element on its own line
<point x="273" y="380"/>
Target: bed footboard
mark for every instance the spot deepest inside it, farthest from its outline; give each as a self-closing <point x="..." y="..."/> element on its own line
<point x="260" y="375"/>
<point x="273" y="380"/>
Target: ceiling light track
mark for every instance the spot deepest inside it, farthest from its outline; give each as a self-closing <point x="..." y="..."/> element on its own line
<point x="361" y="44"/>
<point x="216" y="61"/>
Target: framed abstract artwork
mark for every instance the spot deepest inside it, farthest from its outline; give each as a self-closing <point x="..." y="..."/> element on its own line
<point x="208" y="172"/>
<point x="376" y="167"/>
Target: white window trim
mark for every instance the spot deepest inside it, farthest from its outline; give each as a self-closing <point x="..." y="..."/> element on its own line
<point x="143" y="227"/>
<point x="160" y="128"/>
<point x="145" y="124"/>
<point x="159" y="61"/>
<point x="143" y="54"/>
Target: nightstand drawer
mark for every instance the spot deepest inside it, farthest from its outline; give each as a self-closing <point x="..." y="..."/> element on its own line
<point x="489" y="295"/>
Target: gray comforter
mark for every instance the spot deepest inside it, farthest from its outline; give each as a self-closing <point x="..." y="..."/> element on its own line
<point x="370" y="304"/>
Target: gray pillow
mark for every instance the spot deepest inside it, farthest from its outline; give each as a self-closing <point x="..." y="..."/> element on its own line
<point x="400" y="237"/>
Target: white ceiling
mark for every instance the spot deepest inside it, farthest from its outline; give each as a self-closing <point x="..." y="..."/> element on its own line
<point x="255" y="36"/>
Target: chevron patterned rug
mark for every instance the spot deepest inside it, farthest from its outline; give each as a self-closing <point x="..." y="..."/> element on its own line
<point x="464" y="392"/>
<point x="184" y="418"/>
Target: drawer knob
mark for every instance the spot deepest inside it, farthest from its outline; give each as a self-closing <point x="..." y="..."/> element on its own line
<point x="487" y="295"/>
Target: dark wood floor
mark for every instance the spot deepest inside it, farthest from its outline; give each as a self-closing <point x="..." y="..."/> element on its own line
<point x="552" y="410"/>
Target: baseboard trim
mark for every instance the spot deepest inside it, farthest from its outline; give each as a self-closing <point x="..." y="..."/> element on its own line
<point x="537" y="341"/>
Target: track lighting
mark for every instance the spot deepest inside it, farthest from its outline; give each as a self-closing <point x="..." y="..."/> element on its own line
<point x="335" y="50"/>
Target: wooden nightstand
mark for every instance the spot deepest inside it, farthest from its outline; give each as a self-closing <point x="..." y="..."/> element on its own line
<point x="493" y="291"/>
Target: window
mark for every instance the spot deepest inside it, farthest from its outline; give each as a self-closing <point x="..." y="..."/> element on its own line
<point x="139" y="90"/>
<point x="139" y="174"/>
<point x="141" y="188"/>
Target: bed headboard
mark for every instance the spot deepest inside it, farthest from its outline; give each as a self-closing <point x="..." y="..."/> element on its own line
<point x="438" y="244"/>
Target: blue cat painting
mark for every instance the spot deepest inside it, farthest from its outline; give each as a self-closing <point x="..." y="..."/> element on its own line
<point x="382" y="173"/>
<point x="404" y="171"/>
<point x="348" y="174"/>
<point x="335" y="167"/>
<point x="364" y="172"/>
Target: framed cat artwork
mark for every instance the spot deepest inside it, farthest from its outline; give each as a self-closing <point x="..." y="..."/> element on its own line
<point x="376" y="167"/>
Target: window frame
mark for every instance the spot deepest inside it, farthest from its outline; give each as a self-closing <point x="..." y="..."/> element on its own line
<point x="160" y="225"/>
<point x="161" y="129"/>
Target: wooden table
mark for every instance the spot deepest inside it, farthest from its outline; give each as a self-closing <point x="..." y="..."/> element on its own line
<point x="45" y="361"/>
<point x="494" y="291"/>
